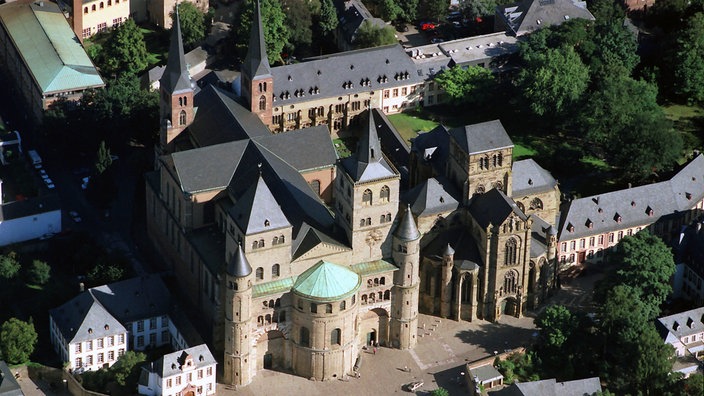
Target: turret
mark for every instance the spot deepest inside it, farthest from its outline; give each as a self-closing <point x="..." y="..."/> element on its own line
<point x="404" y="306"/>
<point x="448" y="262"/>
<point x="551" y="241"/>
<point x="237" y="361"/>
<point x="176" y="93"/>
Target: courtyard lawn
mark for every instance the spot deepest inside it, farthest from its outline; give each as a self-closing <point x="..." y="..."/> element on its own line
<point x="520" y="151"/>
<point x="689" y="121"/>
<point x="409" y="125"/>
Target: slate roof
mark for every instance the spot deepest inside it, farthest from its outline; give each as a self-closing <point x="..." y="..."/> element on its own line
<point x="531" y="15"/>
<point x="309" y="237"/>
<point x="204" y="169"/>
<point x="466" y="253"/>
<point x="433" y="147"/>
<point x="257" y="210"/>
<point x="368" y="162"/>
<point x="485" y="373"/>
<point x="256" y="63"/>
<point x="632" y="205"/>
<point x="48" y="47"/>
<point x="530" y="178"/>
<point x="342" y="74"/>
<point x="135" y="298"/>
<point x="538" y="244"/>
<point x="683" y="324"/>
<point x="8" y="383"/>
<point x="84" y="318"/>
<point x="493" y="207"/>
<point x="327" y="282"/>
<point x="550" y="387"/>
<point x="175" y="77"/>
<point x="238" y="265"/>
<point x="170" y="364"/>
<point x="304" y="149"/>
<point x="429" y="198"/>
<point x="407" y="229"/>
<point x="482" y="137"/>
<point x="392" y="143"/>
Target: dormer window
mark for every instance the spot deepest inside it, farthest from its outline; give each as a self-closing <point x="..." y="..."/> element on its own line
<point x="267" y="223"/>
<point x="649" y="211"/>
<point x="675" y="326"/>
<point x="570" y="227"/>
<point x="589" y="223"/>
<point x="617" y="218"/>
<point x="633" y="203"/>
<point x="688" y="196"/>
<point x="690" y="322"/>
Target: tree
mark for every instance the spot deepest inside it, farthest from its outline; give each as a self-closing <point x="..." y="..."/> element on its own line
<point x="687" y="60"/>
<point x="370" y="35"/>
<point x="614" y="51"/>
<point x="327" y="21"/>
<point x="693" y="385"/>
<point x="554" y="80"/>
<point x="276" y="33"/>
<point x="409" y="8"/>
<point x="125" y="50"/>
<point x="17" y="340"/>
<point x="390" y="10"/>
<point x="104" y="159"/>
<point x="192" y="24"/>
<point x="440" y="392"/>
<point x="126" y="370"/>
<point x="478" y="8"/>
<point x="556" y="325"/>
<point x="9" y="265"/>
<point x="39" y="272"/>
<point x="470" y="85"/>
<point x="299" y="21"/>
<point x="435" y="9"/>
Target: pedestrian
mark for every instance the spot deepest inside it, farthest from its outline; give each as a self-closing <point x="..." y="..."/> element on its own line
<point x="375" y="350"/>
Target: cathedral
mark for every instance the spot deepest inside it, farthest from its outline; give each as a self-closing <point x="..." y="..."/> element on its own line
<point x="295" y="258"/>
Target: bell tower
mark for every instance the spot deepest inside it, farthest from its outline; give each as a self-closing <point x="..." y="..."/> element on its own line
<point x="176" y="93"/>
<point x="257" y="82"/>
<point x="237" y="360"/>
<point x="404" y="303"/>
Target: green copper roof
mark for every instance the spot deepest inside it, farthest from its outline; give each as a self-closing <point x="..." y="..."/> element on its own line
<point x="274" y="287"/>
<point x="373" y="267"/>
<point x="48" y="46"/>
<point x="327" y="282"/>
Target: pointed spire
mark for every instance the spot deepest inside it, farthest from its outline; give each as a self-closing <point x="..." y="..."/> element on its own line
<point x="369" y="147"/>
<point x="449" y="251"/>
<point x="407" y="229"/>
<point x="238" y="265"/>
<point x="256" y="63"/>
<point x="175" y="77"/>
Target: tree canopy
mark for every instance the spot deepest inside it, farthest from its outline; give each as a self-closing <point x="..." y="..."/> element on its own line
<point x="125" y="50"/>
<point x="39" y="272"/>
<point x="300" y="23"/>
<point x="126" y="370"/>
<point x="371" y="35"/>
<point x="276" y="32"/>
<point x="470" y="85"/>
<point x="192" y="24"/>
<point x="9" y="265"/>
<point x="688" y="61"/>
<point x="17" y="341"/>
<point x="327" y="20"/>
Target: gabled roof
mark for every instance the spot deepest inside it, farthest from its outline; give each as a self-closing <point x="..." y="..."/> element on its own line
<point x="327" y="282"/>
<point x="466" y="253"/>
<point x="175" y="77"/>
<point x="256" y="63"/>
<point x="551" y="387"/>
<point x="171" y="364"/>
<point x="257" y="210"/>
<point x="530" y="15"/>
<point x="308" y="238"/>
<point x="135" y="298"/>
<point x="84" y="318"/>
<point x="482" y="137"/>
<point x="368" y="162"/>
<point x="304" y="149"/>
<point x="683" y="324"/>
<point x="48" y="47"/>
<point x="494" y="207"/>
<point x="635" y="206"/>
<point x="204" y="169"/>
<point x="429" y="198"/>
<point x="344" y="74"/>
<point x="351" y="15"/>
<point x="529" y="178"/>
<point x="433" y="147"/>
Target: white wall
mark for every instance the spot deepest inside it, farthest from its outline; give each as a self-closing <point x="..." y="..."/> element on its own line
<point x="30" y="227"/>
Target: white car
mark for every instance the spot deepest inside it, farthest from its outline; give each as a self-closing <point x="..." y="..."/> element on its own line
<point x="85" y="181"/>
<point x="75" y="217"/>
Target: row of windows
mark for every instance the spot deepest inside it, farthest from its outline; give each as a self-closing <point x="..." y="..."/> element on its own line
<point x="278" y="240"/>
<point x="275" y="272"/>
<point x="101" y="5"/>
<point x="368" y="196"/>
<point x="597" y="240"/>
<point x="152" y="339"/>
<point x="314" y="307"/>
<point x="152" y="323"/>
<point x="267" y="319"/>
<point x="373" y="297"/>
<point x="376" y="281"/>
<point x="496" y="161"/>
<point x="100" y="343"/>
<point x="394" y="92"/>
<point x="101" y="27"/>
<point x="189" y="378"/>
<point x="99" y="358"/>
<point x="304" y="337"/>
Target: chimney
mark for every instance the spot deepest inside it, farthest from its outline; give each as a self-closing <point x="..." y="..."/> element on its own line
<point x="77" y="17"/>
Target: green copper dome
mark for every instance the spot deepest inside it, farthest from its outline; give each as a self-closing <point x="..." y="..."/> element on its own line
<point x="327" y="282"/>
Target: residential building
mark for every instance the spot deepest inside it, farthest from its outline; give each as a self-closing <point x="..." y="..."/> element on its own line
<point x="528" y="16"/>
<point x="158" y="12"/>
<point x="26" y="219"/>
<point x="483" y="378"/>
<point x="550" y="387"/>
<point x="41" y="56"/>
<point x="685" y="332"/>
<point x="96" y="327"/>
<point x="689" y="257"/>
<point x="351" y="14"/>
<point x="191" y="371"/>
<point x="590" y="226"/>
<point x="90" y="17"/>
<point x="8" y="383"/>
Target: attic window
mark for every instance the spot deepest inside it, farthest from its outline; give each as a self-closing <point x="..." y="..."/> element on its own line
<point x="319" y="73"/>
<point x="595" y="200"/>
<point x="537" y="21"/>
<point x="267" y="223"/>
<point x="688" y="195"/>
<point x="675" y="326"/>
<point x="567" y="17"/>
<point x="290" y="78"/>
<point x="201" y="358"/>
<point x="690" y="322"/>
<point x="387" y="61"/>
<point x="173" y="366"/>
<point x="530" y="182"/>
<point x="633" y="203"/>
<point x="90" y="331"/>
<point x="600" y="210"/>
<point x="351" y="67"/>
<point x="107" y="327"/>
<point x="589" y="223"/>
<point x="617" y="218"/>
<point x="570" y="227"/>
<point x="442" y="199"/>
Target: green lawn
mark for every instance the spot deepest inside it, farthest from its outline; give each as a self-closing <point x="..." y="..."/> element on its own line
<point x="688" y="120"/>
<point x="409" y="125"/>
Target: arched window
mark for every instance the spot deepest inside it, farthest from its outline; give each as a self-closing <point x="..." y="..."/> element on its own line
<point x="387" y="295"/>
<point x="260" y="320"/>
<point x="382" y="219"/>
<point x="369" y="221"/>
<point x="262" y="103"/>
<point x="281" y="239"/>
<point x="343" y="305"/>
<point x="354" y="299"/>
<point x="510" y="282"/>
<point x="182" y="117"/>
<point x="277" y="303"/>
<point x="376" y="281"/>
<point x="315" y="185"/>
<point x="267" y="223"/>
<point x="536" y="204"/>
<point x="180" y="101"/>
<point x="328" y="308"/>
<point x="500" y="158"/>
<point x="362" y="222"/>
<point x="275" y="270"/>
<point x="364" y="299"/>
<point x="268" y="318"/>
<point x="510" y="257"/>
<point x="93" y="8"/>
<point x="388" y="217"/>
<point x="367" y="197"/>
<point x="102" y="5"/>
<point x="260" y="273"/>
<point x="335" y="337"/>
<point x="313" y="308"/>
<point x="264" y="86"/>
<point x="275" y="241"/>
<point x="255" y="244"/>
<point x="260" y="87"/>
<point x="498" y="185"/>
<point x="382" y="280"/>
<point x="85" y="10"/>
<point x="385" y="194"/>
<point x="261" y="243"/>
<point x="521" y="207"/>
<point x="185" y="100"/>
<point x="480" y="189"/>
<point x="305" y="337"/>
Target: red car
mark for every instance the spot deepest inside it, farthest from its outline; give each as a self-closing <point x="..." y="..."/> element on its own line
<point x="427" y="26"/>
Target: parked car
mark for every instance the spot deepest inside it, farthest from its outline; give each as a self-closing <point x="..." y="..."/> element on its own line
<point x="427" y="25"/>
<point x="413" y="386"/>
<point x="49" y="183"/>
<point x="437" y="40"/>
<point x="75" y="217"/>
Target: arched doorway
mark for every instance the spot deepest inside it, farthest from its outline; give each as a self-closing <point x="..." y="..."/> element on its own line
<point x="374" y="327"/>
<point x="271" y="351"/>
